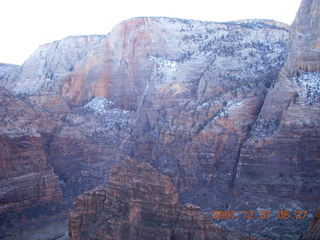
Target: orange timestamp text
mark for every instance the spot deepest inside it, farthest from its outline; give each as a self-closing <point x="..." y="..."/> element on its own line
<point x="261" y="214"/>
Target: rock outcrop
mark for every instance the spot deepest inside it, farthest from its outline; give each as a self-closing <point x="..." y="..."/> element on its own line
<point x="287" y="132"/>
<point x="202" y="96"/>
<point x="8" y="72"/>
<point x="280" y="158"/>
<point x="50" y="66"/>
<point x="86" y="145"/>
<point x="139" y="203"/>
<point x="313" y="231"/>
<point x="304" y="40"/>
<point x="26" y="179"/>
<point x="193" y="88"/>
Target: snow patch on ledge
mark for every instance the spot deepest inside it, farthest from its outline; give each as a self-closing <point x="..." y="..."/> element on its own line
<point x="311" y="82"/>
<point x="99" y="105"/>
<point x="164" y="63"/>
<point x="165" y="69"/>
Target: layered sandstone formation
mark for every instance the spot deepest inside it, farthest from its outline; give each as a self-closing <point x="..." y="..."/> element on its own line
<point x="86" y="145"/>
<point x="50" y="66"/>
<point x="281" y="155"/>
<point x="180" y="79"/>
<point x="139" y="203"/>
<point x="279" y="162"/>
<point x="202" y="102"/>
<point x="198" y="107"/>
<point x="26" y="179"/>
<point x="195" y="89"/>
<point x="304" y="40"/>
<point x="29" y="188"/>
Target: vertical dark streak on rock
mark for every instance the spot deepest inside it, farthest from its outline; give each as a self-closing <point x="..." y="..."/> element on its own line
<point x="248" y="133"/>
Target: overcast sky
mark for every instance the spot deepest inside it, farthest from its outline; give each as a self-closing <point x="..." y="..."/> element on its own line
<point x="26" y="24"/>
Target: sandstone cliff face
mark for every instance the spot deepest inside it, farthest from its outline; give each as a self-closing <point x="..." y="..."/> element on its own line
<point x="279" y="160"/>
<point x="304" y="40"/>
<point x="287" y="133"/>
<point x="119" y="66"/>
<point x="202" y="96"/>
<point x="139" y="203"/>
<point x="195" y="89"/>
<point x="86" y="145"/>
<point x="29" y="188"/>
<point x="50" y="66"/>
<point x="26" y="179"/>
<point x="192" y="89"/>
<point x="145" y="55"/>
<point x="202" y="102"/>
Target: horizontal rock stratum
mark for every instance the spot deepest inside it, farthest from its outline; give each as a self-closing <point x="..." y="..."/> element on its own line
<point x="140" y="203"/>
<point x="228" y="111"/>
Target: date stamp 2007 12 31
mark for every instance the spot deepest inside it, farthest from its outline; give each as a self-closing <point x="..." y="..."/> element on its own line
<point x="263" y="214"/>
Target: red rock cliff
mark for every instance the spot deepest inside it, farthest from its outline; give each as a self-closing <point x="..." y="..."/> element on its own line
<point x="139" y="203"/>
<point x="26" y="178"/>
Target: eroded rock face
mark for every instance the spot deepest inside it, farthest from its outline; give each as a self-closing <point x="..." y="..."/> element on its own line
<point x="287" y="133"/>
<point x="139" y="203"/>
<point x="202" y="102"/>
<point x="313" y="231"/>
<point x="304" y="40"/>
<point x="279" y="160"/>
<point x="26" y="179"/>
<point x="195" y="89"/>
<point x="86" y="146"/>
<point x="202" y="96"/>
<point x="179" y="94"/>
<point x="8" y="72"/>
<point x="50" y="66"/>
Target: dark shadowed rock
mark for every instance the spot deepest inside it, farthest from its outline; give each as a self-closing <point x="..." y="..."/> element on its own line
<point x="26" y="179"/>
<point x="87" y="144"/>
<point x="313" y="231"/>
<point x="139" y="203"/>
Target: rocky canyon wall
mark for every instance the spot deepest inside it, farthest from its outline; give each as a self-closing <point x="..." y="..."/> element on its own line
<point x="283" y="145"/>
<point x="228" y="111"/>
<point x="140" y="203"/>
